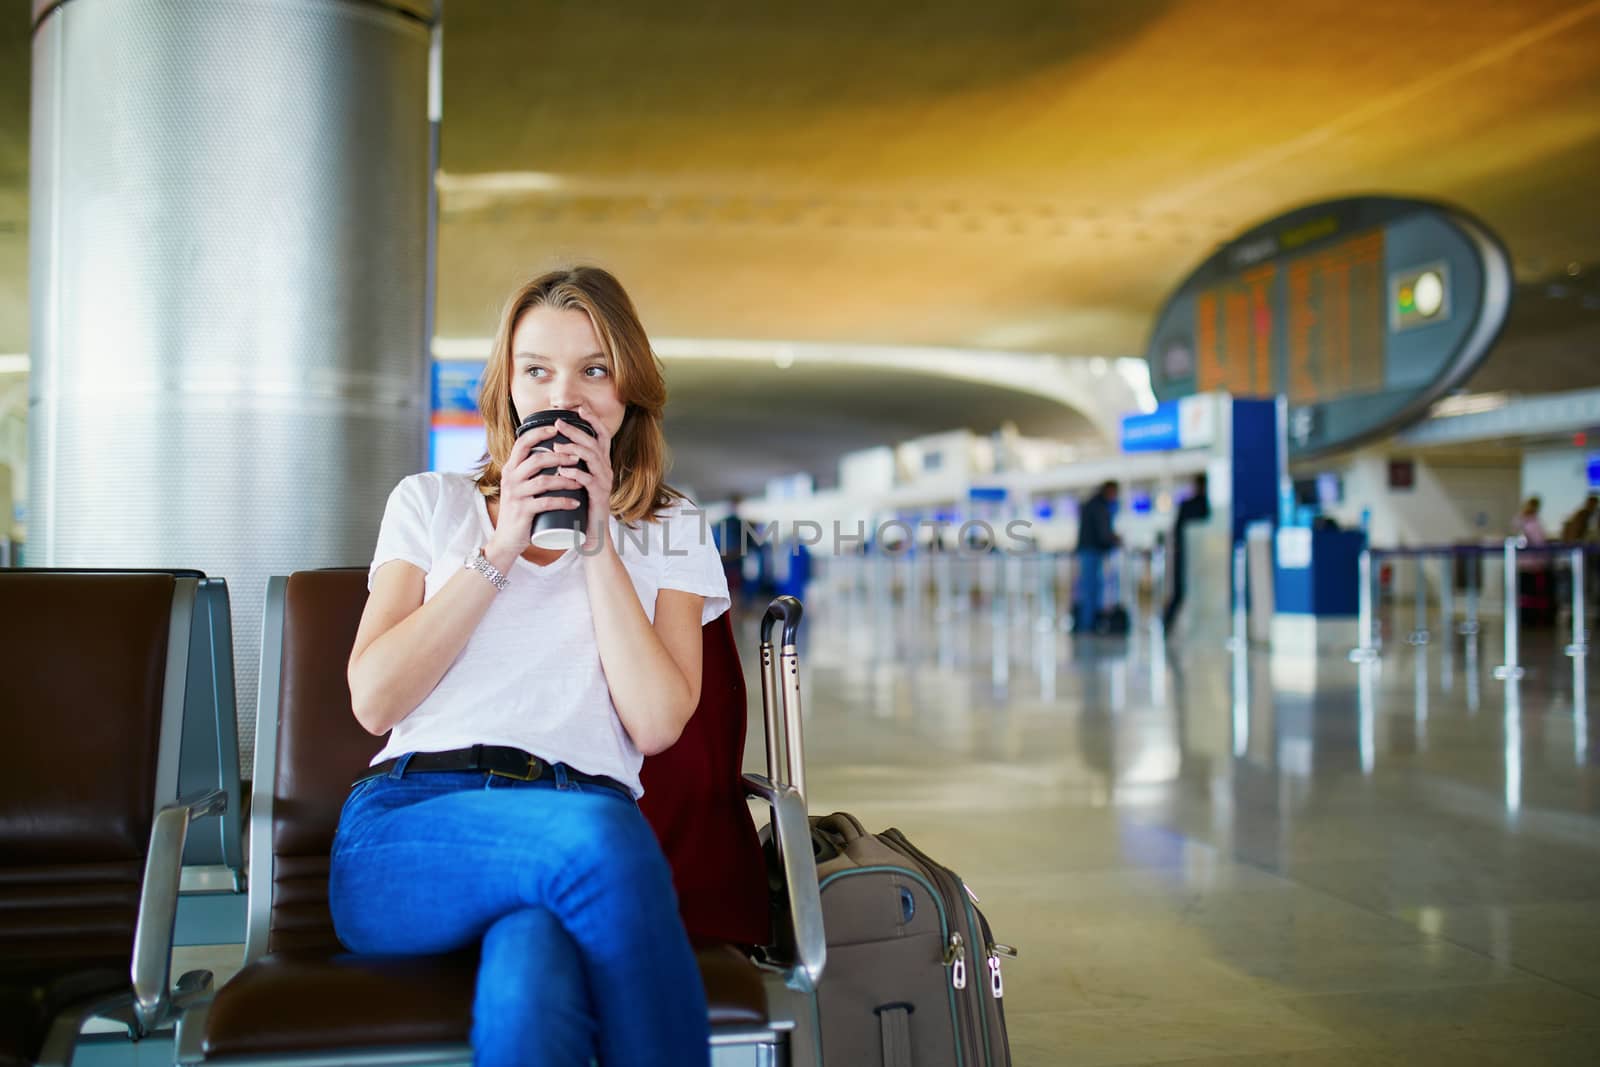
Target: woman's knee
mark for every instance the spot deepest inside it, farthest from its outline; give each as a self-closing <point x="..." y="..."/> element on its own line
<point x="528" y="932"/>
<point x="529" y="944"/>
<point x="529" y="958"/>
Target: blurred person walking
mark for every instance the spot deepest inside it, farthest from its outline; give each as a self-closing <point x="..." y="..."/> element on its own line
<point x="1096" y="539"/>
<point x="1533" y="568"/>
<point x="1580" y="525"/>
<point x="1195" y="509"/>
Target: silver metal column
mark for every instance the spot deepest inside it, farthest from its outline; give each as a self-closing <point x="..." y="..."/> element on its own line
<point x="229" y="286"/>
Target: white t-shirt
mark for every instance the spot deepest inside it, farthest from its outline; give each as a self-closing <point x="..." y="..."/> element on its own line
<point x="529" y="676"/>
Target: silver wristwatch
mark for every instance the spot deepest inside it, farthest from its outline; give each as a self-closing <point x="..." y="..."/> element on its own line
<point x="480" y="563"/>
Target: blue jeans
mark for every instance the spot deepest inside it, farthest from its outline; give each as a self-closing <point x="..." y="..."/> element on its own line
<point x="563" y="886"/>
<point x="1091" y="589"/>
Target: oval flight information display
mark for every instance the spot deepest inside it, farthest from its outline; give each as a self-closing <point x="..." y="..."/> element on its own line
<point x="1363" y="312"/>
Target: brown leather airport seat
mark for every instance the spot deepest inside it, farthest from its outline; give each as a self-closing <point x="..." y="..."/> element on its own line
<point x="300" y="992"/>
<point x="85" y="666"/>
<point x="210" y="738"/>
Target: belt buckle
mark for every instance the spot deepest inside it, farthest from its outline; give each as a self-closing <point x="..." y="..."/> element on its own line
<point x="535" y="769"/>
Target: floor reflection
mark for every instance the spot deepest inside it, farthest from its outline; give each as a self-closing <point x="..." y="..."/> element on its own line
<point x="1207" y="857"/>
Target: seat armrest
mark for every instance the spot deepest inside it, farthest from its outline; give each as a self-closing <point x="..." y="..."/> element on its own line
<point x="791" y="833"/>
<point x="158" y="906"/>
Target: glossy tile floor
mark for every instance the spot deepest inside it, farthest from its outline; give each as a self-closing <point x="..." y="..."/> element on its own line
<point x="1290" y="861"/>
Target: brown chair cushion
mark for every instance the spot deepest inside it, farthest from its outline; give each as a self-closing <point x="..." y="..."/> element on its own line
<point x="735" y="993"/>
<point x="291" y="1002"/>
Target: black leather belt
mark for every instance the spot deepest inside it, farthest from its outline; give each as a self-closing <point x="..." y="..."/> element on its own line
<point x="497" y="760"/>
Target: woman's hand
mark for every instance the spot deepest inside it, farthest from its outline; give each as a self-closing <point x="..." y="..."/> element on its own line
<point x="595" y="452"/>
<point x="521" y="483"/>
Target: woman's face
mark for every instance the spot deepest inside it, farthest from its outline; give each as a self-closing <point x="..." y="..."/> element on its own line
<point x="558" y="362"/>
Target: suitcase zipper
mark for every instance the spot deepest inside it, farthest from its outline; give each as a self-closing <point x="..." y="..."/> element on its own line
<point x="943" y="874"/>
<point x="1002" y="1058"/>
<point x="996" y="984"/>
<point x="955" y="957"/>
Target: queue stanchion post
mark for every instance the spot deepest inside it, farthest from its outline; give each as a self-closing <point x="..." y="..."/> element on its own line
<point x="1366" y="649"/>
<point x="1511" y="670"/>
<point x="964" y="581"/>
<point x="1419" y="615"/>
<point x="1469" y="625"/>
<point x="1066" y="582"/>
<point x="1580" y="633"/>
<point x="1046" y="575"/>
<point x="999" y="627"/>
<point x="1239" y="641"/>
<point x="1158" y="584"/>
<point x="1447" y="620"/>
<point x="1127" y="596"/>
<point x="1147" y="581"/>
<point x="1022" y="607"/>
<point x="1447" y="595"/>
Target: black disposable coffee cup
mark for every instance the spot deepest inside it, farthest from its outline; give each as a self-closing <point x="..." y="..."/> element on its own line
<point x="564" y="527"/>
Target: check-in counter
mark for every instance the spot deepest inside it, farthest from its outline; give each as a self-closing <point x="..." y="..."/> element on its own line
<point x="1317" y="588"/>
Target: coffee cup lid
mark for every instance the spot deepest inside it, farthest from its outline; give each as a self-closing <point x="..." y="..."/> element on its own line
<point x="550" y="415"/>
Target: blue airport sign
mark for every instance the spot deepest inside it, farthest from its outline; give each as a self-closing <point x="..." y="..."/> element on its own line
<point x="455" y="386"/>
<point x="1152" y="431"/>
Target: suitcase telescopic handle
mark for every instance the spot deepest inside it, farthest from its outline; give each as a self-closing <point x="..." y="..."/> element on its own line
<point x="780" y="696"/>
<point x="787" y="609"/>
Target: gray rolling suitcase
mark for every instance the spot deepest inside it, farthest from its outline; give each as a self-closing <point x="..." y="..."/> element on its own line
<point x="914" y="974"/>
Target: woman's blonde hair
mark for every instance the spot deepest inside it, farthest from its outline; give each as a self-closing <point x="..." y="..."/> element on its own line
<point x="639" y="456"/>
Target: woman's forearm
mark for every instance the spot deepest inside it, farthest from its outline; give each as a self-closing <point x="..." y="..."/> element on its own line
<point x="396" y="672"/>
<point x="653" y="698"/>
